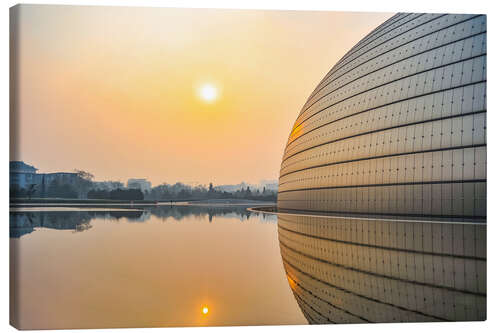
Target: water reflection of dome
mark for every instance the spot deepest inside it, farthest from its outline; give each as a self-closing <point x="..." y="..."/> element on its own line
<point x="396" y="128"/>
<point x="354" y="270"/>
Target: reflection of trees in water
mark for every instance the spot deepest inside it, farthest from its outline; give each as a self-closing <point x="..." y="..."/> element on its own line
<point x="22" y="223"/>
<point x="180" y="212"/>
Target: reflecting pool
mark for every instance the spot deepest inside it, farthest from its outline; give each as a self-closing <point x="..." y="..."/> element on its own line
<point x="162" y="266"/>
<point x="191" y="265"/>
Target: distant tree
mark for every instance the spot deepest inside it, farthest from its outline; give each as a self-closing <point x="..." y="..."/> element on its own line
<point x="136" y="195"/>
<point x="16" y="191"/>
<point x="98" y="194"/>
<point x="31" y="190"/>
<point x="129" y="194"/>
<point x="180" y="191"/>
<point x="91" y="194"/>
<point x="184" y="194"/>
<point x="84" y="175"/>
<point x="57" y="189"/>
<point x="83" y="181"/>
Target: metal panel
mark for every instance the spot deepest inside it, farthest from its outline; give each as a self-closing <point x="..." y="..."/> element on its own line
<point x="426" y="93"/>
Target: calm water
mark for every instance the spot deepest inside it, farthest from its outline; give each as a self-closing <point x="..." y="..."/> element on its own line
<point x="160" y="267"/>
<point x="359" y="270"/>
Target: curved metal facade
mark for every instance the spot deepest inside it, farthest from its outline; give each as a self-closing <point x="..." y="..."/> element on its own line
<point x="397" y="126"/>
<point x="357" y="270"/>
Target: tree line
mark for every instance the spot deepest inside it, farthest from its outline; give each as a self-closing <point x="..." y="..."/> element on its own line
<point x="83" y="187"/>
<point x="180" y="191"/>
<point x="117" y="194"/>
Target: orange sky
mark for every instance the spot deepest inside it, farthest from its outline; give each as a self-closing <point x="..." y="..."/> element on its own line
<point x="113" y="90"/>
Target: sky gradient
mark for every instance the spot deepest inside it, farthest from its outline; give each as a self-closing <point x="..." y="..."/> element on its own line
<point x="114" y="90"/>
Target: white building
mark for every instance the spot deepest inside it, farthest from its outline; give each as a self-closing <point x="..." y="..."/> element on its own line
<point x="139" y="184"/>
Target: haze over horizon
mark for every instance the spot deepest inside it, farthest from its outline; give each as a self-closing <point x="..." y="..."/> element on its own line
<point x="98" y="178"/>
<point x="190" y="95"/>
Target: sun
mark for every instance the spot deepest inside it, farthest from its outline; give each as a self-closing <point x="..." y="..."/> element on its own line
<point x="204" y="310"/>
<point x="208" y="92"/>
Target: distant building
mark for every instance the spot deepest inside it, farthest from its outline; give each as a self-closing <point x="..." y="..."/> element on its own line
<point x="23" y="175"/>
<point x="62" y="177"/>
<point x="139" y="184"/>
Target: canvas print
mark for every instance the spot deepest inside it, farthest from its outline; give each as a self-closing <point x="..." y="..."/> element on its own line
<point x="214" y="167"/>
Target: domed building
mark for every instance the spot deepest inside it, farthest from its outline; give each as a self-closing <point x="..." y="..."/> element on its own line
<point x="382" y="189"/>
<point x="397" y="126"/>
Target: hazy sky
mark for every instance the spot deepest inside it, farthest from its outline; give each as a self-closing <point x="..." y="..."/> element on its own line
<point x="115" y="90"/>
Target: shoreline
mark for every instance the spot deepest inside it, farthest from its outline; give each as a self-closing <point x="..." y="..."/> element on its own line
<point x="119" y="204"/>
